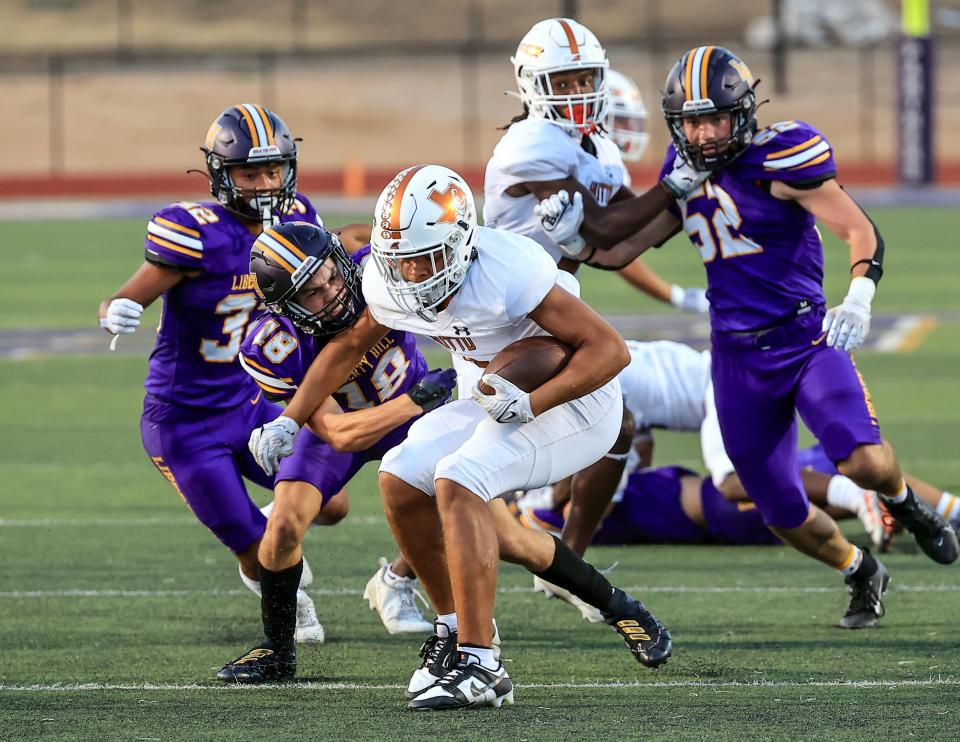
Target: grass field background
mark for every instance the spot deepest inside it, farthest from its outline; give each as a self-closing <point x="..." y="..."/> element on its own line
<point x="116" y="608"/>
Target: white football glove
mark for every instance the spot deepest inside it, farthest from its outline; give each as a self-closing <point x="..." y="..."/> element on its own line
<point x="123" y="317"/>
<point x="507" y="404"/>
<point x="561" y="219"/>
<point x="689" y="300"/>
<point x="847" y="325"/>
<point x="272" y="442"/>
<point x="683" y="179"/>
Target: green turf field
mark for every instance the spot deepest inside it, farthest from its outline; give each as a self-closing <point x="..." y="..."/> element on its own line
<point x="116" y="608"/>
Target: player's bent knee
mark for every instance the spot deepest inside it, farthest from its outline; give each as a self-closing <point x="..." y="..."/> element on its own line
<point x="867" y="463"/>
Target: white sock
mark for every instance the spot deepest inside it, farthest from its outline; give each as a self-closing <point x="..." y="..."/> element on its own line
<point x="484" y="656"/>
<point x="449" y="620"/>
<point x="844" y="493"/>
<point x="949" y="507"/>
<point x="852" y="562"/>
<point x="391" y="578"/>
<point x="266" y="509"/>
<point x="254" y="585"/>
<point x="899" y="497"/>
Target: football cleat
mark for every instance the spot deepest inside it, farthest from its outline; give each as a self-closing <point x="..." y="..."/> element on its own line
<point x="466" y="685"/>
<point x="649" y="641"/>
<point x="309" y="630"/>
<point x="932" y="532"/>
<point x="870" y="513"/>
<point x="396" y="604"/>
<point x="438" y="655"/>
<point x="262" y="664"/>
<point x="550" y="590"/>
<point x="865" y="608"/>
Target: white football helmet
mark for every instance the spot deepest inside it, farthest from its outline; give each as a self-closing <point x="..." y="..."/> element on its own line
<point x="627" y="116"/>
<point x="559" y="45"/>
<point x="426" y="210"/>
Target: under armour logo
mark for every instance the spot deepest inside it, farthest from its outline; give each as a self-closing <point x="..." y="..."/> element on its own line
<point x="461" y="330"/>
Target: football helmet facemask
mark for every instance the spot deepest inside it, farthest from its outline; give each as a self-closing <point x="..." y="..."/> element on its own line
<point x="286" y="257"/>
<point x="561" y="45"/>
<point x="425" y="211"/>
<point x="707" y="80"/>
<point x="249" y="134"/>
<point x="626" y="116"/>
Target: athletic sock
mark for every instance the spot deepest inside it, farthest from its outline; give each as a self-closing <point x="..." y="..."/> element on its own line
<point x="251" y="583"/>
<point x="949" y="507"/>
<point x="569" y="571"/>
<point x="901" y="496"/>
<point x="844" y="493"/>
<point x="484" y="656"/>
<point x="390" y="577"/>
<point x="859" y="564"/>
<point x="449" y="620"/>
<point x="278" y="607"/>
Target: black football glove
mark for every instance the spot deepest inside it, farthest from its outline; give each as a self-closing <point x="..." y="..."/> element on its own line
<point x="434" y="389"/>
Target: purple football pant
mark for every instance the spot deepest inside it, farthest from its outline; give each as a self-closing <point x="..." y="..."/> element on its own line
<point x="761" y="382"/>
<point x="738" y="523"/>
<point x="204" y="455"/>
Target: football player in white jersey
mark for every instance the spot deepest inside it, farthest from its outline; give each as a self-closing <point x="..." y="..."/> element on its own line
<point x="476" y="290"/>
<point x="559" y="142"/>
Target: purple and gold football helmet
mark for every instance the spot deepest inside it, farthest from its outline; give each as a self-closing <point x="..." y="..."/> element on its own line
<point x="249" y="134"/>
<point x="707" y="80"/>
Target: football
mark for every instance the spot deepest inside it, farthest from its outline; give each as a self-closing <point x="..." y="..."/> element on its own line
<point x="529" y="362"/>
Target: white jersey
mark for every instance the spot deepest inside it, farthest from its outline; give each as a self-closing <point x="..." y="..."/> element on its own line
<point x="534" y="150"/>
<point x="665" y="385"/>
<point x="507" y="280"/>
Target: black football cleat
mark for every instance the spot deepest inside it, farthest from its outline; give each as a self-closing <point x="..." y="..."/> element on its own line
<point x="865" y="608"/>
<point x="466" y="685"/>
<point x="649" y="641"/>
<point x="438" y="655"/>
<point x="933" y="534"/>
<point x="261" y="664"/>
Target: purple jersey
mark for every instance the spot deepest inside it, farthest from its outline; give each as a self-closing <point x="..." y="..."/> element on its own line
<point x="763" y="255"/>
<point x="205" y="316"/>
<point x="277" y="355"/>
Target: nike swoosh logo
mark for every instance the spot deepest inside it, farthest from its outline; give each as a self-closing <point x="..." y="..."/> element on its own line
<point x="818" y="340"/>
<point x="478" y="691"/>
<point x="257" y="398"/>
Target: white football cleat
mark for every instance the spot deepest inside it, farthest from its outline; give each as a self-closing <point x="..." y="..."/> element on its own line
<point x="309" y="630"/>
<point x="396" y="604"/>
<point x="466" y="685"/>
<point x="550" y="590"/>
<point x="871" y="516"/>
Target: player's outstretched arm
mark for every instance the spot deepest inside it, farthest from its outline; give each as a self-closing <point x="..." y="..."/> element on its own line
<point x="360" y="429"/>
<point x="847" y="324"/>
<point x="600" y="353"/>
<point x="120" y="313"/>
<point x="605" y="226"/>
<point x="332" y="367"/>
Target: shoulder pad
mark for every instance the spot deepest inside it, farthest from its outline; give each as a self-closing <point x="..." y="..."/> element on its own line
<point x="789" y="151"/>
<point x="534" y="150"/>
<point x="302" y="210"/>
<point x="175" y="234"/>
<point x="270" y="355"/>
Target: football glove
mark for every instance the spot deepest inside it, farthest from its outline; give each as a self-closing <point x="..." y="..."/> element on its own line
<point x="123" y="317"/>
<point x="271" y="442"/>
<point x="434" y="389"/>
<point x="847" y="325"/>
<point x="683" y="179"/>
<point x="561" y="218"/>
<point x="690" y="299"/>
<point x="508" y="403"/>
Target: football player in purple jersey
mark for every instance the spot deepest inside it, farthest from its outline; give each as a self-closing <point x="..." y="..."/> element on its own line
<point x="311" y="285"/>
<point x="200" y="405"/>
<point x="777" y="350"/>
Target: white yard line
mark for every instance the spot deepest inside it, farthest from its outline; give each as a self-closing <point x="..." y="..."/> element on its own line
<point x="706" y="685"/>
<point x="351" y="592"/>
